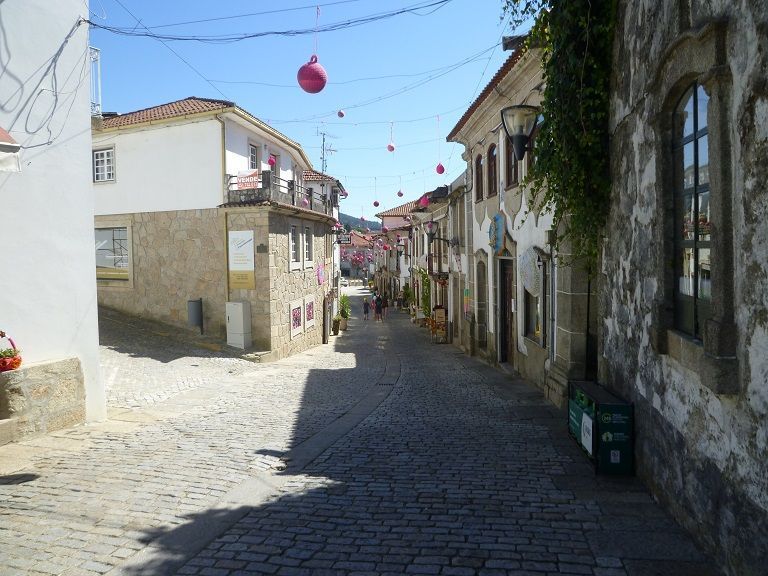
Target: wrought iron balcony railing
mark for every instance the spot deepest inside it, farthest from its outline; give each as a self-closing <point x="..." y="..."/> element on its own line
<point x="271" y="188"/>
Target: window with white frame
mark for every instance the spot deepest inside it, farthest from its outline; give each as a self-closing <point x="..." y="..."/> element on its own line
<point x="308" y="239"/>
<point x="294" y="238"/>
<point x="253" y="156"/>
<point x="104" y="165"/>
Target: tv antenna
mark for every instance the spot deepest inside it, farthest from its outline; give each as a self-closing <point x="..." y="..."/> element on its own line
<point x="325" y="149"/>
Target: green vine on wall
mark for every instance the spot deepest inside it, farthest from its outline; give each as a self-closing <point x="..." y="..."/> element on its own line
<point x="426" y="294"/>
<point x="571" y="174"/>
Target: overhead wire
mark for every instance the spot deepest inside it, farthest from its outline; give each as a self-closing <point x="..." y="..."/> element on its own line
<point x="229" y="38"/>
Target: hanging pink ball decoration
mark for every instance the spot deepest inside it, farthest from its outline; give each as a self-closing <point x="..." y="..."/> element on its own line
<point x="391" y="147"/>
<point x="312" y="76"/>
<point x="440" y="168"/>
<point x="340" y="113"/>
<point x="424" y="201"/>
<point x="362" y="218"/>
<point x="272" y="160"/>
<point x="384" y="229"/>
<point x="376" y="203"/>
<point x="304" y="202"/>
<point x="400" y="193"/>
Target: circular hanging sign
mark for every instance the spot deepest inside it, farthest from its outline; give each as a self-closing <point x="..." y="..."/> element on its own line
<point x="530" y="275"/>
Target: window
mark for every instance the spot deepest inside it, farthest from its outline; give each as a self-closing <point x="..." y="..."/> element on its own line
<point x="511" y="175"/>
<point x="535" y="311"/>
<point x="482" y="305"/>
<point x="112" y="254"/>
<point x="531" y="155"/>
<point x="104" y="165"/>
<point x="479" y="178"/>
<point x="493" y="184"/>
<point x="308" y="257"/>
<point x="295" y="241"/>
<point x="253" y="157"/>
<point x="692" y="254"/>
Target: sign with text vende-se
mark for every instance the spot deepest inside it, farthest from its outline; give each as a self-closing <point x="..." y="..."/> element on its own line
<point x="345" y="238"/>
<point x="248" y="180"/>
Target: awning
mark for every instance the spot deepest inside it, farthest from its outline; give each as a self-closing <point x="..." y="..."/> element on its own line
<point x="9" y="153"/>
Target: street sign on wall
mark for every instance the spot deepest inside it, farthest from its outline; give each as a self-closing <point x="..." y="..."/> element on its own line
<point x="345" y="238"/>
<point x="241" y="260"/>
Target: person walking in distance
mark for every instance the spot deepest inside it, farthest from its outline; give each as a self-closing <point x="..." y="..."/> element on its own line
<point x="366" y="308"/>
<point x="384" y="306"/>
<point x="377" y="306"/>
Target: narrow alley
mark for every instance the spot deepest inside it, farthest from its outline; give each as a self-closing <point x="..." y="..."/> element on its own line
<point x="379" y="453"/>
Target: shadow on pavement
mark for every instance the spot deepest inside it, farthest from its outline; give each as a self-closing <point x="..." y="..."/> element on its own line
<point x="426" y="461"/>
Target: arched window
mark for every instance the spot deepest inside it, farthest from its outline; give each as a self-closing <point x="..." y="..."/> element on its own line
<point x="479" y="178"/>
<point x="692" y="232"/>
<point x="511" y="174"/>
<point x="492" y="172"/>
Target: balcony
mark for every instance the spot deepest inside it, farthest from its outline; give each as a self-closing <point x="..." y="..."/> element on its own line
<point x="287" y="192"/>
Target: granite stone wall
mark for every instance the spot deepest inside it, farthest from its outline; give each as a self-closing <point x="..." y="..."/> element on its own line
<point x="43" y="397"/>
<point x="701" y="406"/>
<point x="182" y="255"/>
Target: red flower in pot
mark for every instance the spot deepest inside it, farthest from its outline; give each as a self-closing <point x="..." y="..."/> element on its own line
<point x="10" y="358"/>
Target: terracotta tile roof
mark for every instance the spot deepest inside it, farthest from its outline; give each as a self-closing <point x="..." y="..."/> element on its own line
<point x="191" y="105"/>
<point x="503" y="71"/>
<point x="6" y="138"/>
<point x="402" y="210"/>
<point x="314" y="176"/>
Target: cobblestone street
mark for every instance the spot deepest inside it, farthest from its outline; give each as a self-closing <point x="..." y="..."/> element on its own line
<point x="379" y="453"/>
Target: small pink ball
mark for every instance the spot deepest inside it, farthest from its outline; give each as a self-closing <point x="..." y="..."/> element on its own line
<point x="391" y="147"/>
<point x="440" y="169"/>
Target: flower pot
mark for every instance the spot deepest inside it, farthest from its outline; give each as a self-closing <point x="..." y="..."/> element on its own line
<point x="335" y="327"/>
<point x="343" y="323"/>
<point x="10" y="363"/>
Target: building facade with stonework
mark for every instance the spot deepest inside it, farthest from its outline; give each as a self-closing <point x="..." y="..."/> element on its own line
<point x="199" y="200"/>
<point x="529" y="308"/>
<point x="47" y="286"/>
<point x="684" y="287"/>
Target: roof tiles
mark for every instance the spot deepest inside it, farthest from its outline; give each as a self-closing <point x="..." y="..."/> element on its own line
<point x="191" y="105"/>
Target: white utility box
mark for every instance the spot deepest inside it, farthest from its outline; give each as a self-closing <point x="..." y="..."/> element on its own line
<point x="239" y="324"/>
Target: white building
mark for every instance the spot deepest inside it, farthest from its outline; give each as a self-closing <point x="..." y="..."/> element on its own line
<point x="47" y="284"/>
<point x="199" y="200"/>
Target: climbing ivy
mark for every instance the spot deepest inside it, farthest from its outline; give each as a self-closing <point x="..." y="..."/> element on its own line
<point x="571" y="174"/>
<point x="426" y="294"/>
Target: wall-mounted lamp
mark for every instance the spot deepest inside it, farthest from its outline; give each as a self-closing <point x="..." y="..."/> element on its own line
<point x="432" y="232"/>
<point x="400" y="249"/>
<point x="519" y="122"/>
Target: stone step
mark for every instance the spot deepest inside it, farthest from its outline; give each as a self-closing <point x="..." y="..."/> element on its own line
<point x="7" y="431"/>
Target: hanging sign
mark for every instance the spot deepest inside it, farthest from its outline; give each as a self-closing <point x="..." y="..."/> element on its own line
<point x="497" y="233"/>
<point x="530" y="275"/>
<point x="241" y="260"/>
<point x="248" y="180"/>
<point x="345" y="238"/>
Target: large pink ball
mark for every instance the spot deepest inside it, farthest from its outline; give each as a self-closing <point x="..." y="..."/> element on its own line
<point x="312" y="76"/>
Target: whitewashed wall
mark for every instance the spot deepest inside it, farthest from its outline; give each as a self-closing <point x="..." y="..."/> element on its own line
<point x="47" y="258"/>
<point x="162" y="167"/>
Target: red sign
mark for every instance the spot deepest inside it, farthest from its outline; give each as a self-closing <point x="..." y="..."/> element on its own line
<point x="248" y="180"/>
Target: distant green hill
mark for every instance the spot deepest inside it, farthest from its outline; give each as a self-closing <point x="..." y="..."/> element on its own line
<point x="350" y="222"/>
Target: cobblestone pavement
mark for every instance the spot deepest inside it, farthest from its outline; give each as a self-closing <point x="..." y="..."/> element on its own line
<point x="379" y="453"/>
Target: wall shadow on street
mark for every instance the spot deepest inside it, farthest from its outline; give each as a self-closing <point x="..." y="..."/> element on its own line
<point x="444" y="474"/>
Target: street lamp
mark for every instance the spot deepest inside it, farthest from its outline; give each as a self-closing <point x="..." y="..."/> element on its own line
<point x="519" y="122"/>
<point x="432" y="232"/>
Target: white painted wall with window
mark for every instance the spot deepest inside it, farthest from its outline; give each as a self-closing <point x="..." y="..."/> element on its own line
<point x="158" y="168"/>
<point x="47" y="284"/>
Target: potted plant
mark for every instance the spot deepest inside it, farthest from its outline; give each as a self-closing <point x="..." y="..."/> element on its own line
<point x="336" y="324"/>
<point x="10" y="358"/>
<point x="345" y="310"/>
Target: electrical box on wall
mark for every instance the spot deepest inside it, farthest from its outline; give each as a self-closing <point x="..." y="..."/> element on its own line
<point x="239" y="324"/>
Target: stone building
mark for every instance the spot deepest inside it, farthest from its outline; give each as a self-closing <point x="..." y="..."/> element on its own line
<point x="684" y="287"/>
<point x="529" y="310"/>
<point x="199" y="200"/>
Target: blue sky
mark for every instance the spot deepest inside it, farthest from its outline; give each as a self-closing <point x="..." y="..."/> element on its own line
<point x="393" y="75"/>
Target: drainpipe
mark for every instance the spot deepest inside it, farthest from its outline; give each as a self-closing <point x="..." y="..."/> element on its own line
<point x="223" y="158"/>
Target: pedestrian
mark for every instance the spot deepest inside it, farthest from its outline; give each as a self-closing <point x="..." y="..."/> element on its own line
<point x="384" y="306"/>
<point x="366" y="308"/>
<point x="377" y="306"/>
